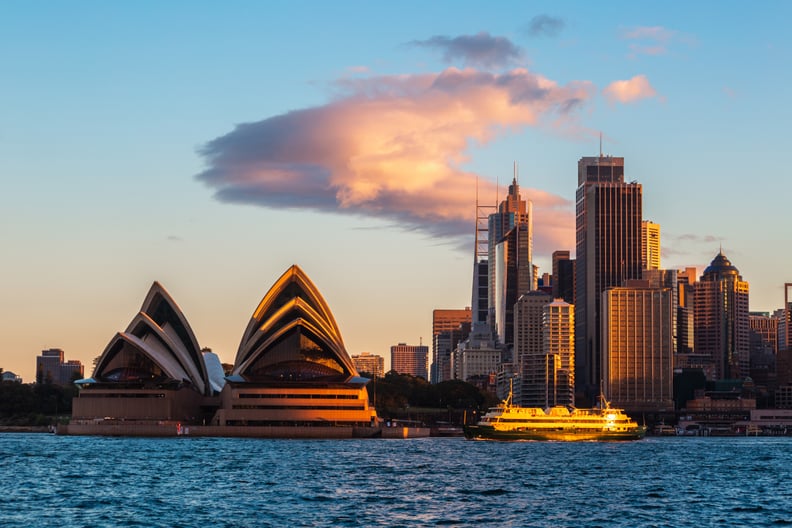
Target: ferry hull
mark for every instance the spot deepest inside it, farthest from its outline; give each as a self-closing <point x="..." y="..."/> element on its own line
<point x="484" y="432"/>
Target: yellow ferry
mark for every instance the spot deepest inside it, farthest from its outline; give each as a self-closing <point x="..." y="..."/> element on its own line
<point x="512" y="422"/>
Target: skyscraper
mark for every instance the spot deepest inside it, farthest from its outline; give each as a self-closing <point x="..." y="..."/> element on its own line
<point x="650" y="248"/>
<point x="721" y="326"/>
<point x="510" y="233"/>
<point x="608" y="246"/>
<point x="410" y="359"/>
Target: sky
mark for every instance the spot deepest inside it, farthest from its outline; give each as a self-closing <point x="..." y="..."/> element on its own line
<point x="209" y="146"/>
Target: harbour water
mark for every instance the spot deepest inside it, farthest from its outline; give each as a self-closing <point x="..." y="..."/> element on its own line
<point x="49" y="480"/>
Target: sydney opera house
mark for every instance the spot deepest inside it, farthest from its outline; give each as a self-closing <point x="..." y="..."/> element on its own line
<point x="291" y="377"/>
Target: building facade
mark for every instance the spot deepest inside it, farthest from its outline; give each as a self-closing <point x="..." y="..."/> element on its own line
<point x="608" y="216"/>
<point x="410" y="359"/>
<point x="722" y="328"/>
<point x="369" y="363"/>
<point x="650" y="247"/>
<point x="510" y="265"/>
<point x="446" y="325"/>
<point x="51" y="367"/>
<point x="563" y="276"/>
<point x="637" y="346"/>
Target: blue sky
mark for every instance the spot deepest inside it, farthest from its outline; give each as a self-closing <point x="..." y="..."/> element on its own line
<point x="122" y="162"/>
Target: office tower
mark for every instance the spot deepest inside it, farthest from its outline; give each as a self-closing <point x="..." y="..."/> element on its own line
<point x="784" y="316"/>
<point x="52" y="368"/>
<point x="685" y="330"/>
<point x="637" y="345"/>
<point x="369" y="363"/>
<point x="722" y="332"/>
<point x="764" y="347"/>
<point x="650" y="247"/>
<point x="512" y="278"/>
<point x="510" y="256"/>
<point x="529" y="351"/>
<point x="410" y="359"/>
<point x="563" y="276"/>
<point x="445" y="322"/>
<point x="608" y="246"/>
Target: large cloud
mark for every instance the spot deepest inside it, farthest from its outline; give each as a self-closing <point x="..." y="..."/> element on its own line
<point x="393" y="147"/>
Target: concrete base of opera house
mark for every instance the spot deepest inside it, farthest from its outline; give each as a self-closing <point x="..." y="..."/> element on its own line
<point x="174" y="429"/>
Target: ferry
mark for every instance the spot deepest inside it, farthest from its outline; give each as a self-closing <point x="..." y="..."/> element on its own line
<point x="559" y="423"/>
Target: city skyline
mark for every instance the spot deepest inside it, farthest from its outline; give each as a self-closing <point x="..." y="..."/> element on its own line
<point x="127" y="159"/>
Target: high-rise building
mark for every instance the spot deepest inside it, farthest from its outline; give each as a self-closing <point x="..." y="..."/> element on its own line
<point x="410" y="359"/>
<point x="637" y="346"/>
<point x="52" y="368"/>
<point x="529" y="351"/>
<point x="722" y="330"/>
<point x="512" y="278"/>
<point x="608" y="252"/>
<point x="445" y="322"/>
<point x="563" y="276"/>
<point x="558" y="340"/>
<point x="446" y="343"/>
<point x="510" y="264"/>
<point x="544" y="348"/>
<point x="369" y="363"/>
<point x="650" y="247"/>
<point x="685" y="329"/>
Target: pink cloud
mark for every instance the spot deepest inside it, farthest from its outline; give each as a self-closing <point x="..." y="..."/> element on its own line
<point x="630" y="90"/>
<point x="393" y="147"/>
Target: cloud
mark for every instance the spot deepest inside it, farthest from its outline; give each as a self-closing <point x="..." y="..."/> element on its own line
<point x="652" y="40"/>
<point x="392" y="148"/>
<point x="630" y="90"/>
<point x="545" y="25"/>
<point x="480" y="50"/>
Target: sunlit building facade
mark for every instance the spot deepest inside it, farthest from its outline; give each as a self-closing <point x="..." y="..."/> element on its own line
<point x="410" y="359"/>
<point x="446" y="324"/>
<point x="369" y="363"/>
<point x="637" y="346"/>
<point x="722" y="328"/>
<point x="650" y="247"/>
<point x="510" y="264"/>
<point x="291" y="367"/>
<point x="608" y="253"/>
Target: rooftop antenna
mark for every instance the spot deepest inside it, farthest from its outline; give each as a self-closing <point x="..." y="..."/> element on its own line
<point x="600" y="143"/>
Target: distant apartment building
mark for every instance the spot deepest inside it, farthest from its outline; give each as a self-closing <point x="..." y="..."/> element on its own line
<point x="369" y="363"/>
<point x="410" y="359"/>
<point x="447" y="327"/>
<point x="52" y="368"/>
<point x="650" y="248"/>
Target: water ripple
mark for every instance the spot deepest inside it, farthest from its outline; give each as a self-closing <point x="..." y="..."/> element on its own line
<point x="193" y="482"/>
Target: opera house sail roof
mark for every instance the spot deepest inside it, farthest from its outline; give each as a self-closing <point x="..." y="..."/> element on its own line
<point x="158" y="346"/>
<point x="292" y="337"/>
